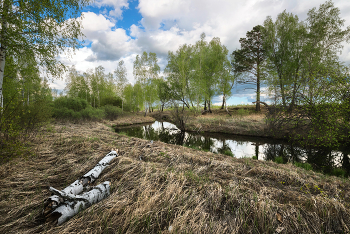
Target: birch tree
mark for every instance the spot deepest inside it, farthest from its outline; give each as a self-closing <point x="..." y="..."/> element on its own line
<point x="145" y="69"/>
<point x="40" y="30"/>
<point x="121" y="80"/>
<point x="179" y="72"/>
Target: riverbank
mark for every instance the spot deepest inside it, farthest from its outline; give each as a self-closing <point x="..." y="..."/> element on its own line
<point x="130" y="119"/>
<point x="162" y="188"/>
<point x="244" y="121"/>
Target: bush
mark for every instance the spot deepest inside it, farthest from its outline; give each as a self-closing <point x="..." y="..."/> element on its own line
<point x="76" y="104"/>
<point x="338" y="172"/>
<point x="91" y="113"/>
<point x="306" y="166"/>
<point x="19" y="123"/>
<point x="229" y="153"/>
<point x="279" y="160"/>
<point x="112" y="112"/>
<point x="112" y="101"/>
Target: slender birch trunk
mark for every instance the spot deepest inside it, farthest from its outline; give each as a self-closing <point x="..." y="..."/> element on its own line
<point x="5" y="7"/>
<point x="2" y="69"/>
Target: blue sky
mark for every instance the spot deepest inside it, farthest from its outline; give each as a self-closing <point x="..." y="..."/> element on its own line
<point x="121" y="29"/>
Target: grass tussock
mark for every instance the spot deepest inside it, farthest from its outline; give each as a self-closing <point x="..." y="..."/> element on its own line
<point x="161" y="188"/>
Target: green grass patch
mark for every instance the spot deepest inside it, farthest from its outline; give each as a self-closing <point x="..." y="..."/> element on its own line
<point x="279" y="160"/>
<point x="306" y="166"/>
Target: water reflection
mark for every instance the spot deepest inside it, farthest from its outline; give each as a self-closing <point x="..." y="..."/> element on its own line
<point x="323" y="159"/>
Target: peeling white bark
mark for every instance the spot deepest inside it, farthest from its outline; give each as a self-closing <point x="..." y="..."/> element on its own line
<point x="77" y="187"/>
<point x="75" y="203"/>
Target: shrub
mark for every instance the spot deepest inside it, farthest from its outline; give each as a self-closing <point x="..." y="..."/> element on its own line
<point x="229" y="153"/>
<point x="279" y="159"/>
<point x="76" y="104"/>
<point x="338" y="172"/>
<point x="91" y="113"/>
<point x="112" y="101"/>
<point x="112" y="112"/>
<point x="306" y="166"/>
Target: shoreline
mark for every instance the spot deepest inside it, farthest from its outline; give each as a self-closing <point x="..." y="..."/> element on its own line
<point x="162" y="185"/>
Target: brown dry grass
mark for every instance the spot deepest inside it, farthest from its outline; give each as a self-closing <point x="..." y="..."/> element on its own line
<point x="130" y="119"/>
<point x="249" y="123"/>
<point x="170" y="188"/>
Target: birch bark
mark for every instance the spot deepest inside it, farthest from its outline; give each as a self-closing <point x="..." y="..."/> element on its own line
<point x="77" y="186"/>
<point x="5" y="6"/>
<point x="75" y="203"/>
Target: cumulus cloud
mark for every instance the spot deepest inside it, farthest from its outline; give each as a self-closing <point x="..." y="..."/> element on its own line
<point x="167" y="24"/>
<point x="118" y="5"/>
<point x="106" y="43"/>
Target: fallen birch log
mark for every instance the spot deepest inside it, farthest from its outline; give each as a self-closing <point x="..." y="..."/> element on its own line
<point x="75" y="203"/>
<point x="78" y="186"/>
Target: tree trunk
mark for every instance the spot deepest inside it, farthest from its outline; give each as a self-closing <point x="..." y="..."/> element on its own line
<point x="209" y="106"/>
<point x="75" y="203"/>
<point x="205" y="104"/>
<point x="2" y="53"/>
<point x="223" y="102"/>
<point x="78" y="185"/>
<point x="257" y="108"/>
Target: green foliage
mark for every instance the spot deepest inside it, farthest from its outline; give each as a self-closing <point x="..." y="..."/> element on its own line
<point x="74" y="104"/>
<point x="75" y="109"/>
<point x="112" y="112"/>
<point x="112" y="100"/>
<point x="26" y="109"/>
<point x="309" y="82"/>
<point x="339" y="172"/>
<point x="91" y="113"/>
<point x="251" y="57"/>
<point x="279" y="160"/>
<point x="146" y="71"/>
<point x="229" y="153"/>
<point x="306" y="166"/>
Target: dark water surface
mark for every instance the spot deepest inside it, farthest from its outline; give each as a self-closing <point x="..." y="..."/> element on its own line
<point x="322" y="159"/>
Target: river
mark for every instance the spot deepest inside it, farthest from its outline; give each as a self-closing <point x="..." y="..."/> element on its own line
<point x="321" y="159"/>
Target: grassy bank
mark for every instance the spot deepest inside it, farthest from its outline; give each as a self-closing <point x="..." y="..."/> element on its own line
<point x="244" y="121"/>
<point x="130" y="119"/>
<point x="161" y="188"/>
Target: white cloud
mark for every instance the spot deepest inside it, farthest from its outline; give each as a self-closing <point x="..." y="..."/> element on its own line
<point x="167" y="24"/>
<point x="106" y="43"/>
<point x="93" y="23"/>
<point x="117" y="4"/>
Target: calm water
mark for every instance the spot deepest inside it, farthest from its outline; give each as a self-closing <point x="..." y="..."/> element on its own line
<point x="324" y="159"/>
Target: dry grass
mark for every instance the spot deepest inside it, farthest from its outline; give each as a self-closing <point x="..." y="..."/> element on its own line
<point x="130" y="119"/>
<point x="172" y="189"/>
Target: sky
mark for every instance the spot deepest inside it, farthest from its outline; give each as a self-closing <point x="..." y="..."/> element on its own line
<point x="120" y="29"/>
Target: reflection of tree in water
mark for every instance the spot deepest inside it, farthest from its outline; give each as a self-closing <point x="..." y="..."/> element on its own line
<point x="224" y="148"/>
<point x="321" y="159"/>
<point x="273" y="151"/>
<point x="198" y="141"/>
<point x="150" y="133"/>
